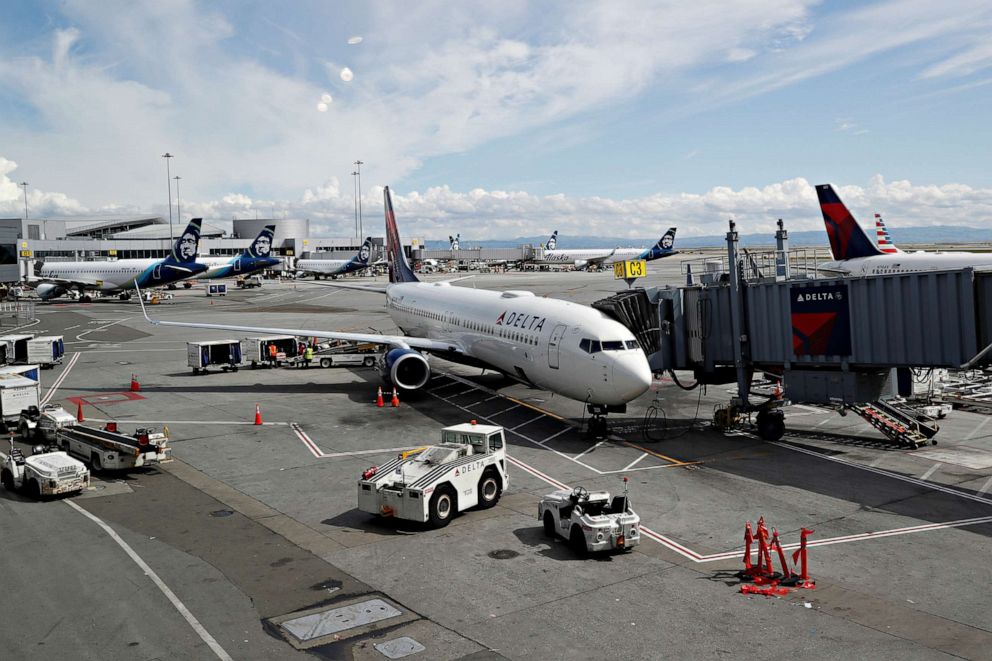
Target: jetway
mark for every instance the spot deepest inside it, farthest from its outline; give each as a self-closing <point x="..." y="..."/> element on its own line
<point x="832" y="341"/>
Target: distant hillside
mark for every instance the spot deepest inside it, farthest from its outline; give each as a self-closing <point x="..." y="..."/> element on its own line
<point x="916" y="236"/>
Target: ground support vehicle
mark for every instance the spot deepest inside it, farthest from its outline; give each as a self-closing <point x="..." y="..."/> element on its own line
<point x="12" y="345"/>
<point x="256" y="349"/>
<point x="217" y="289"/>
<point x="336" y="354"/>
<point x="590" y="521"/>
<point x="19" y="390"/>
<point x="249" y="281"/>
<point x="47" y="472"/>
<point x="225" y="353"/>
<point x="43" y="424"/>
<point x="108" y="449"/>
<point x="429" y="485"/>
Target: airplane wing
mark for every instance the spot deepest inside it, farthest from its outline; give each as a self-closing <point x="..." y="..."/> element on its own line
<point x="373" y="338"/>
<point x="598" y="261"/>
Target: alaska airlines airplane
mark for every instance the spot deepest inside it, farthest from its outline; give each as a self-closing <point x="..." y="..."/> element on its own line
<point x="454" y="242"/>
<point x="336" y="267"/>
<point x="254" y="258"/>
<point x="58" y="278"/>
<point x="585" y="258"/>
<point x="559" y="346"/>
<point x="856" y="254"/>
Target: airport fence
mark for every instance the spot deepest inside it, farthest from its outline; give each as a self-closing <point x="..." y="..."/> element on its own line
<point x="13" y="314"/>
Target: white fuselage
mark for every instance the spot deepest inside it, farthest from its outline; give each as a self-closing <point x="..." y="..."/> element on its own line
<point x="532" y="338"/>
<point x="577" y="255"/>
<point x="101" y="276"/>
<point x="321" y="266"/>
<point x="908" y="262"/>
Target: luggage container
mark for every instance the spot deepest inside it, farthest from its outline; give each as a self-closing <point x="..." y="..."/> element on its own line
<point x="13" y="345"/>
<point x="217" y="289"/>
<point x="224" y="353"/>
<point x="45" y="350"/>
<point x="256" y="349"/>
<point x="17" y="392"/>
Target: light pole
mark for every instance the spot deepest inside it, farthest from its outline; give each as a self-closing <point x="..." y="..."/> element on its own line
<point x="24" y="185"/>
<point x="179" y="210"/>
<point x="354" y="185"/>
<point x="358" y="172"/>
<point x="168" y="183"/>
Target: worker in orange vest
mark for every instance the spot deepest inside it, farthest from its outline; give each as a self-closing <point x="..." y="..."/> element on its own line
<point x="272" y="354"/>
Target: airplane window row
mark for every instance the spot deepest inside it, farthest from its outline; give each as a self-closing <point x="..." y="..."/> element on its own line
<point x="489" y="329"/>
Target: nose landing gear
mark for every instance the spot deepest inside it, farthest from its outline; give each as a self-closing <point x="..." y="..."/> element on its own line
<point x="597" y="426"/>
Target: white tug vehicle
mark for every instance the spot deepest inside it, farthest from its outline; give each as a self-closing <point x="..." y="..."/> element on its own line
<point x="430" y="484"/>
<point x="590" y="520"/>
<point x="47" y="472"/>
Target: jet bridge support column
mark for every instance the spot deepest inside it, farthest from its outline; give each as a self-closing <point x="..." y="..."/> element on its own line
<point x="743" y="378"/>
<point x="781" y="252"/>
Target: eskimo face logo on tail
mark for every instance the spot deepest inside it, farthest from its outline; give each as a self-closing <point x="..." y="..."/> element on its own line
<point x="528" y="322"/>
<point x="365" y="251"/>
<point x="552" y="242"/>
<point x="186" y="245"/>
<point x="668" y="241"/>
<point x="455" y="241"/>
<point x="262" y="246"/>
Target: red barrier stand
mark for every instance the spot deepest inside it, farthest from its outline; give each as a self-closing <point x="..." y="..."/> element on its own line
<point x="800" y="555"/>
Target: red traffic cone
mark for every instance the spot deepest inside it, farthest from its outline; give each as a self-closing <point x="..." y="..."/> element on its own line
<point x="79" y="412"/>
<point x="378" y="398"/>
<point x="258" y="414"/>
<point x="396" y="399"/>
<point x="135" y="386"/>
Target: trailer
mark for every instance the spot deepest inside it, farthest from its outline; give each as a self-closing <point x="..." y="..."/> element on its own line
<point x="47" y="472"/>
<point x="217" y="289"/>
<point x="256" y="349"/>
<point x="18" y="391"/>
<point x="13" y="345"/>
<point x="108" y="449"/>
<point x="225" y="353"/>
<point x="429" y="485"/>
<point x="44" y="350"/>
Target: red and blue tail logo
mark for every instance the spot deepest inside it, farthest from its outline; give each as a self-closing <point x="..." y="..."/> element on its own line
<point x="884" y="240"/>
<point x="399" y="269"/>
<point x="847" y="239"/>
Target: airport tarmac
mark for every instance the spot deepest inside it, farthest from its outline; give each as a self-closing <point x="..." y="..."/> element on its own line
<point x="252" y="528"/>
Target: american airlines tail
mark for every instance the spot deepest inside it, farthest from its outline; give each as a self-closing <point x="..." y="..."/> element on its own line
<point x="552" y="242"/>
<point x="847" y="239"/>
<point x="262" y="245"/>
<point x="187" y="245"/>
<point x="884" y="240"/>
<point x="399" y="269"/>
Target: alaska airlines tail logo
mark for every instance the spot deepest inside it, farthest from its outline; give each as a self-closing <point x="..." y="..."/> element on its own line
<point x="262" y="245"/>
<point x="884" y="240"/>
<point x="365" y="252"/>
<point x="454" y="241"/>
<point x="184" y="252"/>
<point x="399" y="269"/>
<point x="552" y="242"/>
<point x="664" y="247"/>
<point x="847" y="239"/>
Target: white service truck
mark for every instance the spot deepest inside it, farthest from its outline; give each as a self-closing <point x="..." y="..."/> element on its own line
<point x="108" y="449"/>
<point x="47" y="472"/>
<point x="467" y="469"/>
<point x="42" y="424"/>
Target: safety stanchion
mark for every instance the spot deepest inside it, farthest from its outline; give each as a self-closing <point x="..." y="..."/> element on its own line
<point x="801" y="556"/>
<point x="748" y="572"/>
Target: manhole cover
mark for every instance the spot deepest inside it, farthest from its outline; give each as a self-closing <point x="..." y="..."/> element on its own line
<point x="220" y="513"/>
<point x="337" y="620"/>
<point x="503" y="554"/>
<point x="397" y="648"/>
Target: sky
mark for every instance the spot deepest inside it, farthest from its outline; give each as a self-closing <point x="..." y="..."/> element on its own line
<point x="502" y="118"/>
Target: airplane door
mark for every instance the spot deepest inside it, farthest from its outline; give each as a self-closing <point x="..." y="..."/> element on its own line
<point x="553" y="345"/>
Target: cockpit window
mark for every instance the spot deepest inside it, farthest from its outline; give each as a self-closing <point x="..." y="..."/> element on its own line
<point x="612" y="345"/>
<point x="589" y="346"/>
<point x="632" y="344"/>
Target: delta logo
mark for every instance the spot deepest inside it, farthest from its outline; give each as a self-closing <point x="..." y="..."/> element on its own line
<point x="522" y="321"/>
<point x="819" y="296"/>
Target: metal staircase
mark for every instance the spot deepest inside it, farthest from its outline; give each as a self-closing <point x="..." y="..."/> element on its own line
<point x="899" y="425"/>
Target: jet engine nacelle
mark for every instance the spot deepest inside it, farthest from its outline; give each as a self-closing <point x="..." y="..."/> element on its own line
<point x="581" y="263"/>
<point x="405" y="368"/>
<point x="48" y="291"/>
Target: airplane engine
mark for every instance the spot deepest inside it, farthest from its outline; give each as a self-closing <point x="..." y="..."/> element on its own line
<point x="581" y="263"/>
<point x="405" y="368"/>
<point x="48" y="291"/>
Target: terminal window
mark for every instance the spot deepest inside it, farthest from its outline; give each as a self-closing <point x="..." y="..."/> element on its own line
<point x="8" y="253"/>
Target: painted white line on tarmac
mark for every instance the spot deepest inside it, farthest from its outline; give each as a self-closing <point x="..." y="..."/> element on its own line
<point x="58" y="382"/>
<point x="556" y="435"/>
<point x="541" y="415"/>
<point x="986" y="487"/>
<point x="190" y="422"/>
<point x="973" y="432"/>
<point x="320" y="454"/>
<point x="633" y="463"/>
<point x="150" y="573"/>
<point x="588" y="450"/>
<point x="931" y="471"/>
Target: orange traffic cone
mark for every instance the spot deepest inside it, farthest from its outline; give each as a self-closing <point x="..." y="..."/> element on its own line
<point x="258" y="414"/>
<point x="79" y="412"/>
<point x="378" y="398"/>
<point x="135" y="386"/>
<point x="396" y="400"/>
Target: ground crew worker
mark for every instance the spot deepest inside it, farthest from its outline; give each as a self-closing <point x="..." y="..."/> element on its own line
<point x="272" y="354"/>
<point x="307" y="356"/>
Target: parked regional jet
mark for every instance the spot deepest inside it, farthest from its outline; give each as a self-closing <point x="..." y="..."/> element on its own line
<point x="855" y="254"/>
<point x="58" y="278"/>
<point x="585" y="258"/>
<point x="566" y="348"/>
<point x="882" y="235"/>
<point x="256" y="257"/>
<point x="336" y="267"/>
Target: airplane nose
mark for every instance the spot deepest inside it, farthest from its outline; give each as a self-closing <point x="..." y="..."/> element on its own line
<point x="631" y="376"/>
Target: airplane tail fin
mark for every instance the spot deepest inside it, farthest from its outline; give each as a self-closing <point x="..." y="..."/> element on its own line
<point x="399" y="268"/>
<point x="884" y="240"/>
<point x="262" y="245"/>
<point x="847" y="239"/>
<point x="454" y="241"/>
<point x="552" y="242"/>
<point x="664" y="247"/>
<point x="187" y="246"/>
<point x="364" y="256"/>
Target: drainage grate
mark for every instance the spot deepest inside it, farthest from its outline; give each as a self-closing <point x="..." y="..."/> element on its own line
<point x="399" y="647"/>
<point x="340" y="619"/>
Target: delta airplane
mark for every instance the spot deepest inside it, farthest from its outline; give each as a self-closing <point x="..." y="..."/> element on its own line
<point x="58" y="278"/>
<point x="256" y="257"/>
<point x="559" y="346"/>
<point x="855" y="254"/>
<point x="598" y="257"/>
<point x="336" y="267"/>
